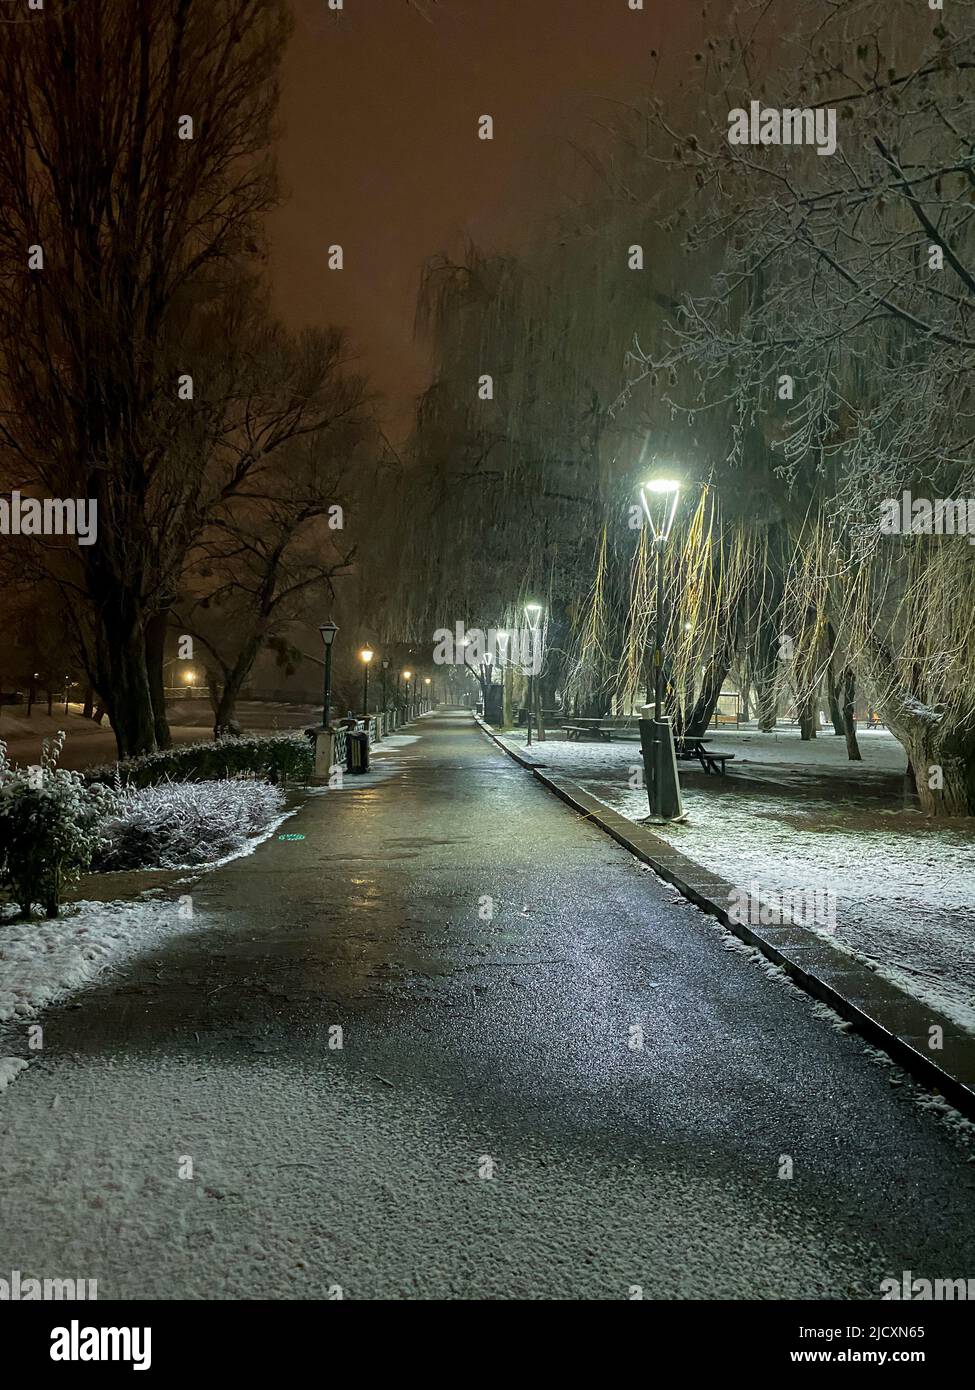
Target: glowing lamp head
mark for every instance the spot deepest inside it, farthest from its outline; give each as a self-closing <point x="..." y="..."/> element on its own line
<point x="407" y="675"/>
<point x="367" y="654"/>
<point x="659" y="497"/>
<point x="533" y="616"/>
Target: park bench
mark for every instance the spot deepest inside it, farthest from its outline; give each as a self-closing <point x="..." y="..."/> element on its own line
<point x="577" y="731"/>
<point x="696" y="750"/>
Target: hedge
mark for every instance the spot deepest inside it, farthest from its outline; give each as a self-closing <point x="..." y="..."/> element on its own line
<point x="278" y="757"/>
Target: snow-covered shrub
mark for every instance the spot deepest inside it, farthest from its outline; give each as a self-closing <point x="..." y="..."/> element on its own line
<point x="174" y="824"/>
<point x="278" y="757"/>
<point x="49" y="827"/>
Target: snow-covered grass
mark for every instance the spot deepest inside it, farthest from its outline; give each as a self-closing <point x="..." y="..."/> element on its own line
<point x="182" y="824"/>
<point x="792" y="815"/>
<point x="175" y="825"/>
<point x="41" y="962"/>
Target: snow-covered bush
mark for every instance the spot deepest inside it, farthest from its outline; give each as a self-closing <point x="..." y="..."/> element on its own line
<point x="278" y="757"/>
<point x="49" y="827"/>
<point x="174" y="824"/>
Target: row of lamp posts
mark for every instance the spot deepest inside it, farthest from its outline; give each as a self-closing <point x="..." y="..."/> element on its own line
<point x="328" y="631"/>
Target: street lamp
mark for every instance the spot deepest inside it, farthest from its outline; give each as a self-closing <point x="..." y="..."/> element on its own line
<point x="533" y="618"/>
<point x="427" y="682"/>
<point x="406" y="688"/>
<point x="328" y="631"/>
<point x="660" y="504"/>
<point x="365" y="656"/>
<point x="385" y="667"/>
<point x="659" y="497"/>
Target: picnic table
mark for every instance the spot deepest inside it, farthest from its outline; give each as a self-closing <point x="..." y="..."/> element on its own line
<point x="692" y="749"/>
<point x="574" y="732"/>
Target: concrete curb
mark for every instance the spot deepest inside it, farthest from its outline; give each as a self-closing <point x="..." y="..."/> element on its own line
<point x="884" y="1015"/>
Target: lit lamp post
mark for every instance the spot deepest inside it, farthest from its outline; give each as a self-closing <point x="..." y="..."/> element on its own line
<point x="406" y="690"/>
<point x="328" y="631"/>
<point x="659" y="499"/>
<point x="385" y="668"/>
<point x="503" y="639"/>
<point x="427" y="682"/>
<point x="533" y="618"/>
<point x="365" y="656"/>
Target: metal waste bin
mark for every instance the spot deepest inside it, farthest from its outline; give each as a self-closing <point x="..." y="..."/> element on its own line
<point x="357" y="751"/>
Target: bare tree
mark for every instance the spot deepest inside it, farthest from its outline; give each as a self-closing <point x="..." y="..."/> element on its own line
<point x="134" y="167"/>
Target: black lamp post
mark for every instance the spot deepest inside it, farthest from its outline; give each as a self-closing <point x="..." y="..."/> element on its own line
<point x="366" y="655"/>
<point x="406" y="689"/>
<point x="385" y="667"/>
<point x="328" y="631"/>
<point x="660" y="504"/>
<point x="659" y="499"/>
<point x="533" y="617"/>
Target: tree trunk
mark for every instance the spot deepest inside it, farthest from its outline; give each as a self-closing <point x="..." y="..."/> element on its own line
<point x="849" y="716"/>
<point x="124" y="679"/>
<point x="940" y="752"/>
<point x="225" y="694"/>
<point x="944" y="770"/>
<point x="226" y="709"/>
<point x="706" y="703"/>
<point x="833" y="695"/>
<point x="89" y="707"/>
<point x="156" y="628"/>
<point x="807" y="719"/>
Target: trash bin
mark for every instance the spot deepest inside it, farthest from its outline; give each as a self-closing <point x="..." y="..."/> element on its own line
<point x="357" y="751"/>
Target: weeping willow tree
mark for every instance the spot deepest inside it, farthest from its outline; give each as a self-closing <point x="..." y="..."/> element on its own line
<point x="838" y="326"/>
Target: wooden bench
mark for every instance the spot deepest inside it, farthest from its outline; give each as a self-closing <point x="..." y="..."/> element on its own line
<point x="577" y="731"/>
<point x="695" y="750"/>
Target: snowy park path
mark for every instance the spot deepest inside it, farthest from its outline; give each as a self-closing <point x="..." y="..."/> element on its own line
<point x="487" y="1127"/>
<point x="799" y="816"/>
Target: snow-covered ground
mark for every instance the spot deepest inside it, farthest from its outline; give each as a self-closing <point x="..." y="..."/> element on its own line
<point x="799" y="816"/>
<point x="43" y="961"/>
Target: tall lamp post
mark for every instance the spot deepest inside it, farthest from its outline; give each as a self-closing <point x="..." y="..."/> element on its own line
<point x="659" y="497"/>
<point x="328" y="631"/>
<point x="533" y="618"/>
<point x="427" y="682"/>
<point x="365" y="656"/>
<point x="385" y="668"/>
<point x="503" y="639"/>
<point x="406" y="689"/>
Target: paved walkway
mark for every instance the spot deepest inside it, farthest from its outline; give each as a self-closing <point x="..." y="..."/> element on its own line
<point x="485" y="954"/>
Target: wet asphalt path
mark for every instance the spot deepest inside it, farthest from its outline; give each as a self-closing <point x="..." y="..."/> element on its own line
<point x="485" y="1129"/>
